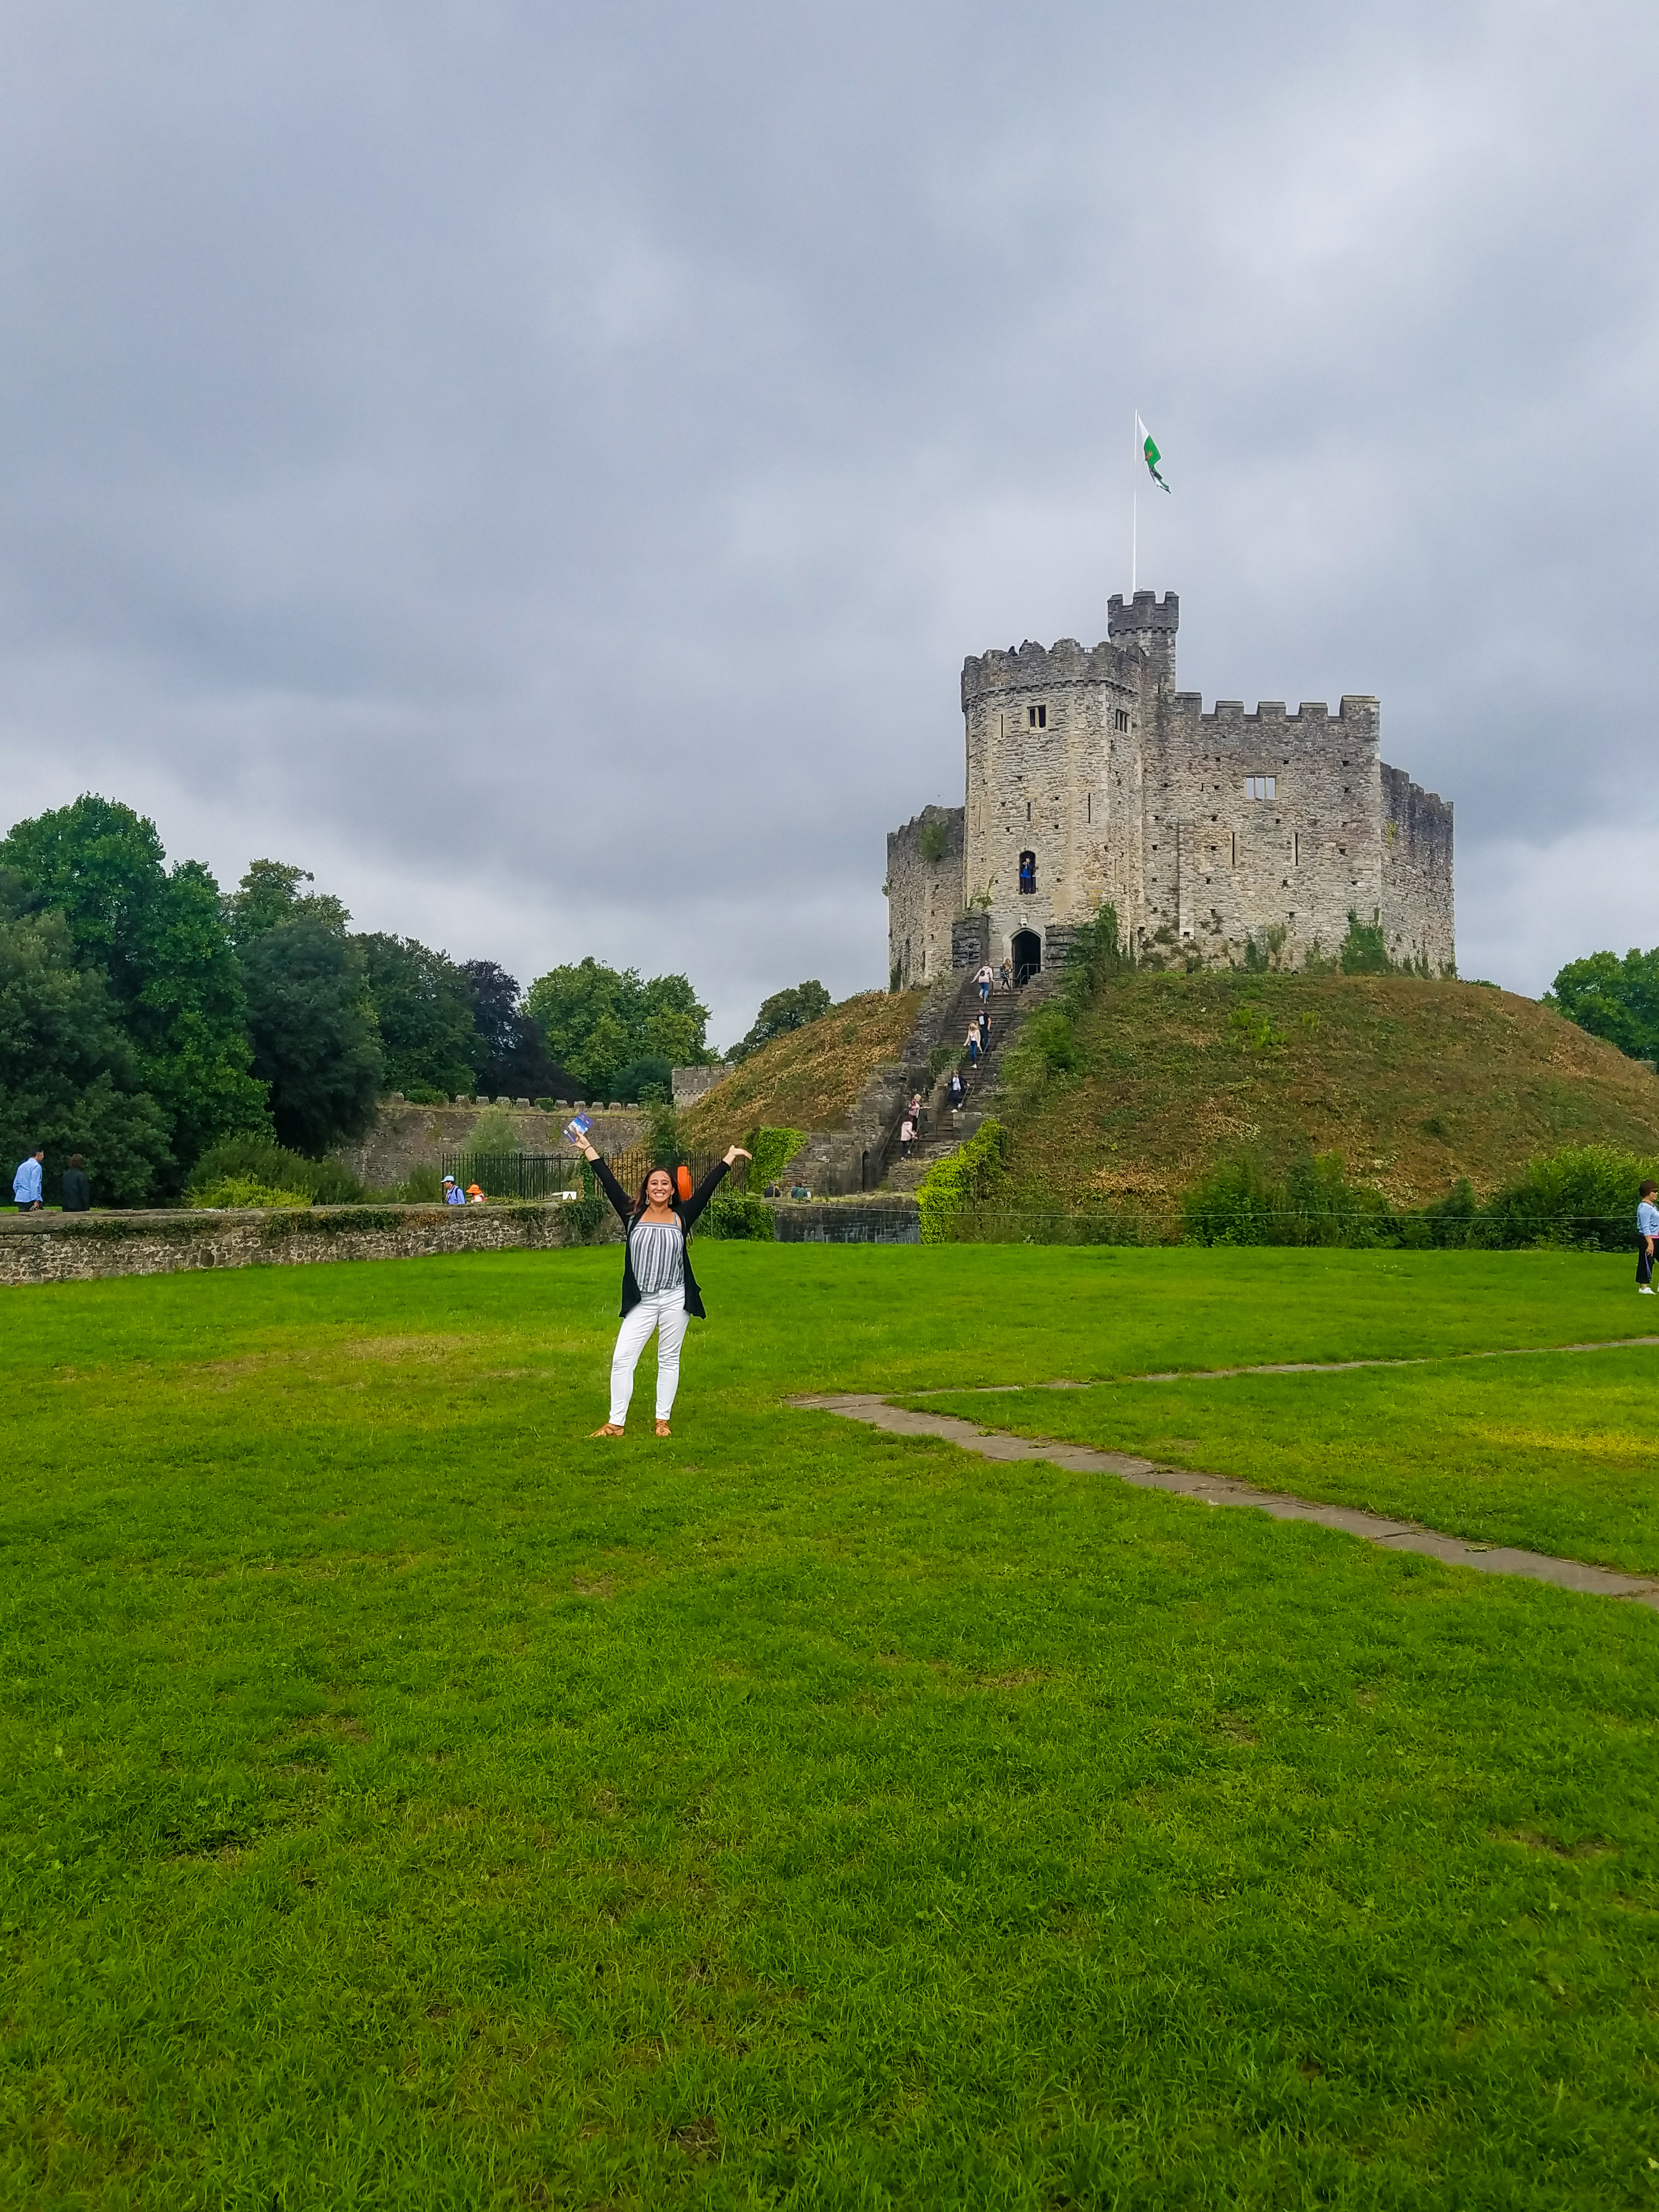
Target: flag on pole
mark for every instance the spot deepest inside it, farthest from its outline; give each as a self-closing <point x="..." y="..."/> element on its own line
<point x="1150" y="453"/>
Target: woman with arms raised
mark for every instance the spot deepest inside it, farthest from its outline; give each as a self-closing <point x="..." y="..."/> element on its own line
<point x="659" y="1290"/>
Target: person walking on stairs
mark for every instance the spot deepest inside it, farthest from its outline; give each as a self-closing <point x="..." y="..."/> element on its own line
<point x="985" y="976"/>
<point x="660" y="1292"/>
<point x="973" y="1044"/>
<point x="1647" y="1238"/>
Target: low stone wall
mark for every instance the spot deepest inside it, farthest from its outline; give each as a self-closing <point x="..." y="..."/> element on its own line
<point x="406" y="1136"/>
<point x="56" y="1248"/>
<point x="874" y="1220"/>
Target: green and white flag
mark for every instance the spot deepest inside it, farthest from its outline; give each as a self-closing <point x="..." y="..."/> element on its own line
<point x="1150" y="453"/>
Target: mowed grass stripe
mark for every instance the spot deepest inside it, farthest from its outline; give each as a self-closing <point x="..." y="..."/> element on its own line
<point x="410" y="1802"/>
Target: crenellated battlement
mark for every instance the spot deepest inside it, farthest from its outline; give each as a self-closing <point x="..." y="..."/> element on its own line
<point x="1145" y="611"/>
<point x="1358" y="714"/>
<point x="1032" y="666"/>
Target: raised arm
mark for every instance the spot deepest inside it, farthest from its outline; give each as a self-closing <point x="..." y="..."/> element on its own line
<point x="608" y="1184"/>
<point x="710" y="1183"/>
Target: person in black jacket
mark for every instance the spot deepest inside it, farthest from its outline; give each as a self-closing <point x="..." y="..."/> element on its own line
<point x="659" y="1290"/>
<point x="78" y="1188"/>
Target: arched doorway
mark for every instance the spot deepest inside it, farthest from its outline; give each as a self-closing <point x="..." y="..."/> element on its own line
<point x="1027" y="949"/>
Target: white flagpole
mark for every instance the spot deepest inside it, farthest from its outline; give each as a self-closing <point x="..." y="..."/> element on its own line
<point x="1134" y="519"/>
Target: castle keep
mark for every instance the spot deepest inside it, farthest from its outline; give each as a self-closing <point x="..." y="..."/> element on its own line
<point x="1091" y="778"/>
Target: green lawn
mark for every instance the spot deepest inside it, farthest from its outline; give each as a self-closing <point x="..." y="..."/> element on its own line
<point x="409" y="1802"/>
<point x="1555" y="1451"/>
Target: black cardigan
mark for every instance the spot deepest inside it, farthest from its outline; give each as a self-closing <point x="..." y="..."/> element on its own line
<point x="687" y="1214"/>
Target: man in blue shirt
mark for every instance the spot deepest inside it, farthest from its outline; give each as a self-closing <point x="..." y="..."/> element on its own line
<point x="1647" y="1238"/>
<point x="453" y="1195"/>
<point x="26" y="1183"/>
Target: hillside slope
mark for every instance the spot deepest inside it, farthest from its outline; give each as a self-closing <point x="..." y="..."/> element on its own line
<point x="1414" y="1082"/>
<point x="808" y="1079"/>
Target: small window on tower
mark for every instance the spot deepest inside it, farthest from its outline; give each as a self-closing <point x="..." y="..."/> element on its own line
<point x="1260" y="786"/>
<point x="1121" y="719"/>
<point x="1028" y="872"/>
<point x="1037" y="717"/>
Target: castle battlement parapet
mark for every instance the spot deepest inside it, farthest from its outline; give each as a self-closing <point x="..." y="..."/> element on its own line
<point x="1031" y="667"/>
<point x="1145" y="611"/>
<point x="1357" y="711"/>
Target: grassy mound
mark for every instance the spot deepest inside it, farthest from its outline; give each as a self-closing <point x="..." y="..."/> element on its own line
<point x="808" y="1079"/>
<point x="1415" y="1083"/>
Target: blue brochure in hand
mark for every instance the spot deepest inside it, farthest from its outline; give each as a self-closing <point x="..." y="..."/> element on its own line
<point x="577" y="1128"/>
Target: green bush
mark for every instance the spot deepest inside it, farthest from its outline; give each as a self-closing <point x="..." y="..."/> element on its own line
<point x="1242" y="1202"/>
<point x="773" y="1149"/>
<point x="243" y="1191"/>
<point x="975" y="1171"/>
<point x="496" y="1134"/>
<point x="422" y="1186"/>
<point x="1364" y="949"/>
<point x="1095" y="955"/>
<point x="666" y="1143"/>
<point x="263" y="1160"/>
<point x="1583" y="1195"/>
<point x="423" y="1094"/>
<point x="734" y="1216"/>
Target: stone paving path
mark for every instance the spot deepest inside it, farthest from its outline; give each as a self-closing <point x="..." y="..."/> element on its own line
<point x="1221" y="1490"/>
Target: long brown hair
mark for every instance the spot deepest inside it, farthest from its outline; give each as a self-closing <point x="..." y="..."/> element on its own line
<point x="643" y="1201"/>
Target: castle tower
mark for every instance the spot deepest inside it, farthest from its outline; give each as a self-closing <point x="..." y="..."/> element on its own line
<point x="1052" y="792"/>
<point x="1147" y="624"/>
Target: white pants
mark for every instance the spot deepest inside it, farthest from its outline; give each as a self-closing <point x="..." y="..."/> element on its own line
<point x="668" y="1317"/>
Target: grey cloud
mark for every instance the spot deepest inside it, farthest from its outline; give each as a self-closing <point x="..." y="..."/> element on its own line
<point x="542" y="468"/>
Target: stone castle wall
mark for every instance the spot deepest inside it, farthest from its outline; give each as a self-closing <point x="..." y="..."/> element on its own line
<point x="924" y="895"/>
<point x="1419" y="920"/>
<point x="1223" y="865"/>
<point x="404" y="1137"/>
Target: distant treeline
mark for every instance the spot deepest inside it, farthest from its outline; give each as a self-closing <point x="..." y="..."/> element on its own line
<point x="146" y="1016"/>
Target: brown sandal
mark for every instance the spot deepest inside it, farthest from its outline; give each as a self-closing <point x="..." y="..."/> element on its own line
<point x="662" y="1429"/>
<point x="609" y="1429"/>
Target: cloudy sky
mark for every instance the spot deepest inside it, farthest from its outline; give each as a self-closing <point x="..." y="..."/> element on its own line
<point x="542" y="467"/>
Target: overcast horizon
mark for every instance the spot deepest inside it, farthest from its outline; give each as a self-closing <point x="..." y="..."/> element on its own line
<point x="541" y="470"/>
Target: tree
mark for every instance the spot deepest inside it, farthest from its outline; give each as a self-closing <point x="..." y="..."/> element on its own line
<point x="269" y="893"/>
<point x="602" y="1021"/>
<point x="69" y="1075"/>
<point x="784" y="1011"/>
<point x="513" y="1059"/>
<point x="314" y="1039"/>
<point x="424" y="1010"/>
<point x="158" y="937"/>
<point x="1614" y="999"/>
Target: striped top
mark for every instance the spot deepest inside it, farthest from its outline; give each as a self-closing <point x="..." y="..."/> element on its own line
<point x="657" y="1249"/>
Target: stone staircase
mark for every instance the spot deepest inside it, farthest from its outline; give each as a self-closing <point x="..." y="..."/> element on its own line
<point x="943" y="1129"/>
<point x="863" y="1154"/>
